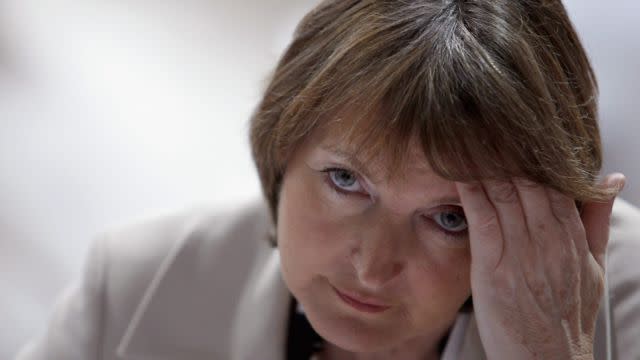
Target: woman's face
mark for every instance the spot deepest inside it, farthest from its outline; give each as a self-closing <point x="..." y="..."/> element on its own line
<point x="374" y="264"/>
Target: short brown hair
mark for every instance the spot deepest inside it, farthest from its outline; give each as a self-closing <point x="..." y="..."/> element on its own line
<point x="491" y="88"/>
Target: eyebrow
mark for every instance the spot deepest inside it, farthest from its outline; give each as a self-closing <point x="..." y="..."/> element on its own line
<point x="448" y="199"/>
<point x="352" y="159"/>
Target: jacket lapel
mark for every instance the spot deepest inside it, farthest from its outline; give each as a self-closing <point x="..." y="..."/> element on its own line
<point x="261" y="323"/>
<point x="168" y="325"/>
<point x="219" y="280"/>
<point x="143" y="338"/>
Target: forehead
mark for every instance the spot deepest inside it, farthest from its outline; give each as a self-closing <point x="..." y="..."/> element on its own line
<point x="371" y="155"/>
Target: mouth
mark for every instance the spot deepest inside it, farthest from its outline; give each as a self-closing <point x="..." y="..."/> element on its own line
<point x="361" y="303"/>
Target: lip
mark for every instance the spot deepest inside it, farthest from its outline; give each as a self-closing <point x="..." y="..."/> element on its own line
<point x="360" y="303"/>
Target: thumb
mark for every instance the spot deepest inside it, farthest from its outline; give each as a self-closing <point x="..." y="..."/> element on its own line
<point x="596" y="216"/>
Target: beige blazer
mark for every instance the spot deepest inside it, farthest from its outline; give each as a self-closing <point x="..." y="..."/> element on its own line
<point x="203" y="285"/>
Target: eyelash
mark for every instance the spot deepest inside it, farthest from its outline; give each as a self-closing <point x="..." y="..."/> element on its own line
<point x="327" y="179"/>
<point x="450" y="235"/>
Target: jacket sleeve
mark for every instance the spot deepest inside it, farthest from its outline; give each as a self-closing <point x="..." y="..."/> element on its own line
<point x="75" y="328"/>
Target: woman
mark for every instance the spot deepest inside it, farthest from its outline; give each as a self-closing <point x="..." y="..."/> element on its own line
<point x="430" y="173"/>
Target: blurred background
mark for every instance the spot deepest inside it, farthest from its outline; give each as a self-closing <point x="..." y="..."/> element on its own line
<point x="117" y="110"/>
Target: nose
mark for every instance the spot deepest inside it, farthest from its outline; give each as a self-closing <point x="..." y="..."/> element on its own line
<point x="377" y="257"/>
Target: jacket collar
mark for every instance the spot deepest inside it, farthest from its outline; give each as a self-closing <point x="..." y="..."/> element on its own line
<point x="261" y="324"/>
<point x="162" y="318"/>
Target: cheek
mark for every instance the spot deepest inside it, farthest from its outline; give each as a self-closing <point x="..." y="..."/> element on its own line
<point x="311" y="237"/>
<point x="441" y="284"/>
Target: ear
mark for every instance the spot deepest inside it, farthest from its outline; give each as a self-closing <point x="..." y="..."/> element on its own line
<point x="596" y="216"/>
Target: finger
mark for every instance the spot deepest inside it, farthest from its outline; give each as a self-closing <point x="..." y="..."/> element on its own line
<point x="566" y="212"/>
<point x="596" y="216"/>
<point x="541" y="222"/>
<point x="504" y="197"/>
<point x="536" y="207"/>
<point x="485" y="235"/>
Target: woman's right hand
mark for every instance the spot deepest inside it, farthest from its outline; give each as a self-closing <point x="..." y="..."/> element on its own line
<point x="537" y="268"/>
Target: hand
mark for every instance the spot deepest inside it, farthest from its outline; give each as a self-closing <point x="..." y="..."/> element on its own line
<point x="537" y="268"/>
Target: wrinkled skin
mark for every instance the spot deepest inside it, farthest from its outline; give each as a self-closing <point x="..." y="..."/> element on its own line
<point x="537" y="270"/>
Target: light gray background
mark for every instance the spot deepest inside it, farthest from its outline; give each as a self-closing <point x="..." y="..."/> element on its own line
<point x="116" y="110"/>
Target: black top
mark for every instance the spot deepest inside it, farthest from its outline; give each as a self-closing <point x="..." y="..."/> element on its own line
<point x="303" y="341"/>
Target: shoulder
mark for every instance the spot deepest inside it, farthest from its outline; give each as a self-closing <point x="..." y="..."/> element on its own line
<point x="623" y="274"/>
<point x="624" y="240"/>
<point x="147" y="242"/>
<point x="148" y="287"/>
<point x="625" y="219"/>
<point x="137" y="251"/>
<point x="173" y="262"/>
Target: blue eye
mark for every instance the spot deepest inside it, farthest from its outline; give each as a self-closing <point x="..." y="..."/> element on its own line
<point x="451" y="221"/>
<point x="344" y="180"/>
